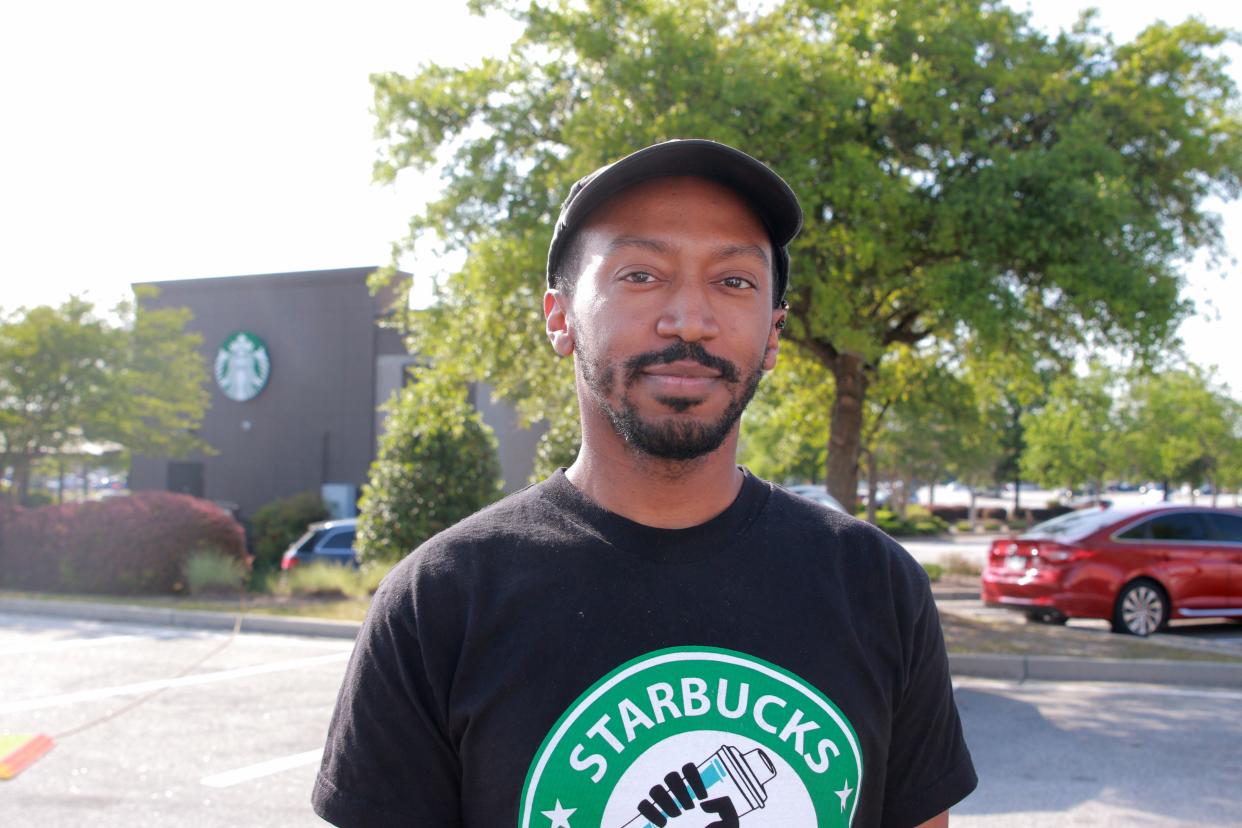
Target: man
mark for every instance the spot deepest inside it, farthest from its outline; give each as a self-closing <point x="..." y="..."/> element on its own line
<point x="653" y="636"/>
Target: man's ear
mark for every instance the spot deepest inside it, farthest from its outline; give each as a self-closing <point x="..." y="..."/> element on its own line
<point x="556" y="314"/>
<point x="779" y="316"/>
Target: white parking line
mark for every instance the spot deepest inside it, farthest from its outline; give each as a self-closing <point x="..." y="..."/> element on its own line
<point x="271" y="766"/>
<point x="1035" y="687"/>
<point x="62" y="644"/>
<point x="185" y="681"/>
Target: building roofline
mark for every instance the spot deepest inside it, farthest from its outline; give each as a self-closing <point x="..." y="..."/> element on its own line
<point x="295" y="277"/>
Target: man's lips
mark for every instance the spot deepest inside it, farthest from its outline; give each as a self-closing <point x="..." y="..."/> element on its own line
<point x="681" y="378"/>
<point x="682" y="369"/>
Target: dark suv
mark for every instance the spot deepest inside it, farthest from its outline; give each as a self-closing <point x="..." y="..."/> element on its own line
<point x="329" y="541"/>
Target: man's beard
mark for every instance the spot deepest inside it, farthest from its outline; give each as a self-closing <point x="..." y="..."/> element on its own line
<point x="669" y="439"/>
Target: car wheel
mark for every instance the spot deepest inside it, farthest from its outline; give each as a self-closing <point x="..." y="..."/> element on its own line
<point x="1048" y="616"/>
<point x="1141" y="609"/>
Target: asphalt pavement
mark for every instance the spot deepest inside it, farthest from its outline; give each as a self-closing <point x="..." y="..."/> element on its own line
<point x="235" y="741"/>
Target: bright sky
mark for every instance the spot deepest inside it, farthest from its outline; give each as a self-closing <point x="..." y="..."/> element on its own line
<point x="156" y="140"/>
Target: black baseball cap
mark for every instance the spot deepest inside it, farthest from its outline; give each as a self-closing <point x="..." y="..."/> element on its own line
<point x="767" y="192"/>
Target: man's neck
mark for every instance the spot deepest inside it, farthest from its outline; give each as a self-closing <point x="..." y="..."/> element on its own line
<point x="668" y="494"/>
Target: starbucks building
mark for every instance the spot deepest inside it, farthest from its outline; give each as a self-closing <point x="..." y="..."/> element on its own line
<point x="300" y="365"/>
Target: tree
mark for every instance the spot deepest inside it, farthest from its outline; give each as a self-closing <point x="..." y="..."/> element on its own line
<point x="1075" y="438"/>
<point x="437" y="464"/>
<point x="68" y="377"/>
<point x="1182" y="429"/>
<point x="965" y="178"/>
<point x="785" y="428"/>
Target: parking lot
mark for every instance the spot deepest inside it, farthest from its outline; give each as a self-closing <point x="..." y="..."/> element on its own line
<point x="233" y="743"/>
<point x="236" y="740"/>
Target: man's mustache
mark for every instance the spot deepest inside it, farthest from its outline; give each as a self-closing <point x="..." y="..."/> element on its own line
<point x="678" y="352"/>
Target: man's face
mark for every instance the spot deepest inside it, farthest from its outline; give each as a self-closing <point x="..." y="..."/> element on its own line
<point x="671" y="319"/>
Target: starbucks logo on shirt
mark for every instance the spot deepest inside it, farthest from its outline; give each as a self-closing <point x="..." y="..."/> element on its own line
<point x="696" y="738"/>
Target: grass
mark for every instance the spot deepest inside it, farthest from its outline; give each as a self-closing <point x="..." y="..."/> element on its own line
<point x="963" y="633"/>
<point x="212" y="572"/>
<point x="327" y="581"/>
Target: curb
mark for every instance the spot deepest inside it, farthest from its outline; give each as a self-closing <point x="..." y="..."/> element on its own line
<point x="954" y="594"/>
<point x="195" y="619"/>
<point x="1061" y="668"/>
<point x="1007" y="667"/>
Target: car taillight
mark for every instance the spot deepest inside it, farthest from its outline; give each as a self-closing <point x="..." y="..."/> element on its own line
<point x="1059" y="555"/>
<point x="1001" y="549"/>
<point x="289" y="562"/>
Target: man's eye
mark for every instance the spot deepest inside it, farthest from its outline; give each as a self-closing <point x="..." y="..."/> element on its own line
<point x="736" y="282"/>
<point x="641" y="277"/>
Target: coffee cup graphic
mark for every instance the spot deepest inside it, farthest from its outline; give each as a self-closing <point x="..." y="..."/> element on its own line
<point x="728" y="772"/>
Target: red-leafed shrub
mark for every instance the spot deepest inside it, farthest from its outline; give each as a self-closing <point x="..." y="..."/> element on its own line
<point x="128" y="545"/>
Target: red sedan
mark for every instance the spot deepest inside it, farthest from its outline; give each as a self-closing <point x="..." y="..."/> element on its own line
<point x="1136" y="567"/>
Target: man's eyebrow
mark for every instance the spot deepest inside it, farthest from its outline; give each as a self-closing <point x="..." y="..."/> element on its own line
<point x="654" y="245"/>
<point x="729" y="251"/>
<point x="722" y="251"/>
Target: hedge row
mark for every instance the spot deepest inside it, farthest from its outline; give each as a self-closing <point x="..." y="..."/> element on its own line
<point x="952" y="514"/>
<point x="127" y="545"/>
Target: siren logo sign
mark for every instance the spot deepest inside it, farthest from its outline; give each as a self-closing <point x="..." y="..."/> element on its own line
<point x="242" y="366"/>
<point x="696" y="738"/>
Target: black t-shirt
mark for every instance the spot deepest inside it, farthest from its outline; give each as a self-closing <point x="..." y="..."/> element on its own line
<point x="548" y="664"/>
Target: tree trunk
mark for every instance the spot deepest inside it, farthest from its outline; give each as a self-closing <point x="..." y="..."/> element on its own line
<point x="845" y="430"/>
<point x="974" y="512"/>
<point x="21" y="480"/>
<point x="873" y="485"/>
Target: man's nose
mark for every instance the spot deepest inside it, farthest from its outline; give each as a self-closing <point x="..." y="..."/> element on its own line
<point x="688" y="314"/>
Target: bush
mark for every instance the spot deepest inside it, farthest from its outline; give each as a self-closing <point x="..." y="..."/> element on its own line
<point x="918" y="522"/>
<point x="934" y="571"/>
<point x="437" y="464"/>
<point x="211" y="572"/>
<point x="951" y="514"/>
<point x="1032" y="516"/>
<point x="125" y="545"/>
<point x="279" y="523"/>
<point x="962" y="526"/>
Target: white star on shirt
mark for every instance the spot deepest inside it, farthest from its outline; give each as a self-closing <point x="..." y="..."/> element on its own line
<point x="560" y="816"/>
<point x="844" y="793"/>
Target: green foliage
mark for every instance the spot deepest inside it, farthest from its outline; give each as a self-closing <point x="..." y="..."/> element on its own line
<point x="210" y="571"/>
<point x="437" y="464"/>
<point x="1181" y="428"/>
<point x="1075" y="438"/>
<point x="67" y="377"/>
<point x="966" y="179"/>
<point x="281" y="522"/>
<point x="917" y="522"/>
<point x="934" y="571"/>
<point x="321" y="580"/>
<point x="785" y="428"/>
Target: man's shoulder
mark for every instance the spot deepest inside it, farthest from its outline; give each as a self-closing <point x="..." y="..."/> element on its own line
<point x="824" y="530"/>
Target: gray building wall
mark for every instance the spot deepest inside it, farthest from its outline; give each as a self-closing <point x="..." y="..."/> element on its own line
<point x="316" y="421"/>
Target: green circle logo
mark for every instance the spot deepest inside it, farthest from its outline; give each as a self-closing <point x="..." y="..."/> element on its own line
<point x="694" y="737"/>
<point x="242" y="366"/>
